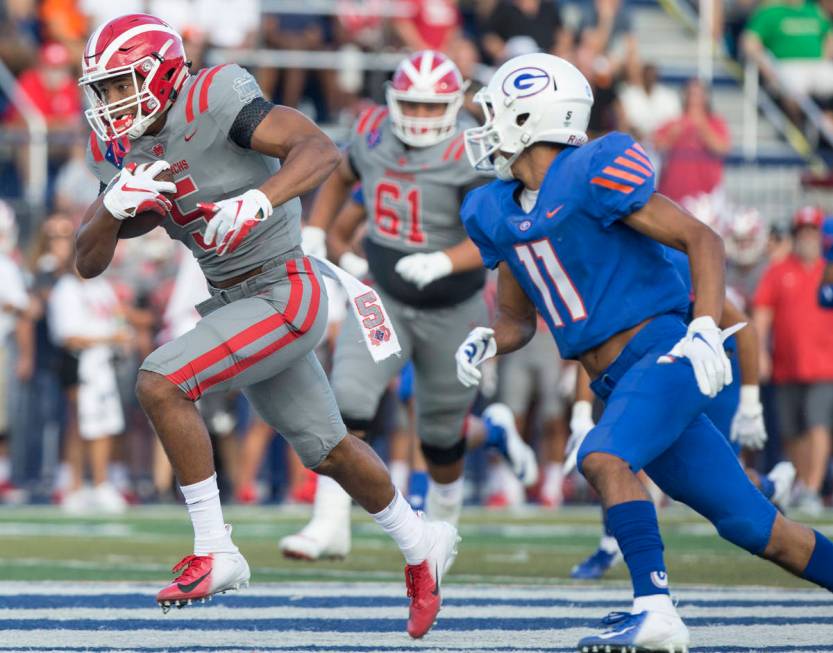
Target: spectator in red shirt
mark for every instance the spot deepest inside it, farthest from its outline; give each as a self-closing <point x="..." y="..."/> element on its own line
<point x="432" y="25"/>
<point x="692" y="147"/>
<point x="52" y="88"/>
<point x="801" y="366"/>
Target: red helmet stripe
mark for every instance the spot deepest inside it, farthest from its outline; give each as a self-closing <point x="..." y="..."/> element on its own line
<point x="189" y="105"/>
<point x="98" y="157"/>
<point x="206" y="84"/>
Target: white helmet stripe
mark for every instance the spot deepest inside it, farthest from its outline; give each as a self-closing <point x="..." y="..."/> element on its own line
<point x="440" y="71"/>
<point x="92" y="44"/>
<point x="129" y="34"/>
<point x="426" y="63"/>
<point x="409" y="69"/>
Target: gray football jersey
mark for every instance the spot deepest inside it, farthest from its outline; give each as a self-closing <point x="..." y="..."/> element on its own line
<point x="412" y="195"/>
<point x="208" y="166"/>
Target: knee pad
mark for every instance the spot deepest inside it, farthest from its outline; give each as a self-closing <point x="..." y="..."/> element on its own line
<point x="747" y="530"/>
<point x="444" y="455"/>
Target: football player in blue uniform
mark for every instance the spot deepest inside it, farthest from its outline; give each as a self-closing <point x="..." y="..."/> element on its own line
<point x="736" y="412"/>
<point x="576" y="231"/>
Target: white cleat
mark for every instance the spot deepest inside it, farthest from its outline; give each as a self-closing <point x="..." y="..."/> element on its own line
<point x="321" y="539"/>
<point x="783" y="477"/>
<point x="645" y="632"/>
<point x="502" y="434"/>
<point x="327" y="535"/>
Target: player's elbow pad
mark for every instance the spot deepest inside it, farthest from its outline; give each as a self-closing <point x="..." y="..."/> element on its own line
<point x="826" y="295"/>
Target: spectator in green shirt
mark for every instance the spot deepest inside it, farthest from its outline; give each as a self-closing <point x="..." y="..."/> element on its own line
<point x="797" y="34"/>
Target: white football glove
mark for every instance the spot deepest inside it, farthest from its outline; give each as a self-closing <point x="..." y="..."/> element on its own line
<point x="135" y="190"/>
<point x="229" y="221"/>
<point x="314" y="241"/>
<point x="581" y="423"/>
<point x="423" y="268"/>
<point x="353" y="264"/>
<point x="478" y="346"/>
<point x="748" y="428"/>
<point x="702" y="345"/>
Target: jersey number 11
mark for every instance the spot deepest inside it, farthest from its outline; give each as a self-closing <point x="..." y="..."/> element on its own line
<point x="543" y="251"/>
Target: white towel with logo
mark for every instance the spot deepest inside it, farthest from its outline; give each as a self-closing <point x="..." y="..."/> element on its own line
<point x="376" y="326"/>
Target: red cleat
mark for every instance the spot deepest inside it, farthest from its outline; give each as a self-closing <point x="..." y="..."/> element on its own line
<point x="202" y="577"/>
<point x="423" y="580"/>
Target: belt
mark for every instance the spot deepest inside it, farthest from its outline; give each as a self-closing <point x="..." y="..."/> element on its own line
<point x="228" y="283"/>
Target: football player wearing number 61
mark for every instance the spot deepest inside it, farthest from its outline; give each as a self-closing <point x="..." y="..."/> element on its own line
<point x="236" y="206"/>
<point x="410" y="159"/>
<point x="576" y="231"/>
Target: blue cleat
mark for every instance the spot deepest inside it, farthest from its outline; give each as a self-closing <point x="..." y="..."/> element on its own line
<point x="596" y="565"/>
<point x="645" y="632"/>
<point x="502" y="435"/>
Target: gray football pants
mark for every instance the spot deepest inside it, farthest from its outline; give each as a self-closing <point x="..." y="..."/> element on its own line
<point x="259" y="337"/>
<point x="429" y="337"/>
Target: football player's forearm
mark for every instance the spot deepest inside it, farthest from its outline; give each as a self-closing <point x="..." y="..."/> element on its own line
<point x="512" y="332"/>
<point x="708" y="261"/>
<point x="309" y="163"/>
<point x="747" y="343"/>
<point x="464" y="256"/>
<point x="96" y="241"/>
<point x="331" y="197"/>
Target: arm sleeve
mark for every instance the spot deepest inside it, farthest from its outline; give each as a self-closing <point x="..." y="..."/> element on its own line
<point x="621" y="179"/>
<point x="247" y="120"/>
<point x="765" y="294"/>
<point x="469" y="212"/>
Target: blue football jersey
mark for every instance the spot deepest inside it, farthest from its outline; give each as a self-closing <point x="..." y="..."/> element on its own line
<point x="589" y="275"/>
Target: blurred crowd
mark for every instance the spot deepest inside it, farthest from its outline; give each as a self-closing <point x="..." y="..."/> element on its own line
<point x="70" y="428"/>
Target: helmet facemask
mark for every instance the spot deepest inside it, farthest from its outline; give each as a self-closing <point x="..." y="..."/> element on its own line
<point x="422" y="131"/>
<point x="487" y="144"/>
<point x="129" y="116"/>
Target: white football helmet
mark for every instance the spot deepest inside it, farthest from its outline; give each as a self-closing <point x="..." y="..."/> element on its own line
<point x="530" y="99"/>
<point x="430" y="77"/>
<point x="708" y="208"/>
<point x="8" y="229"/>
<point x="746" y="237"/>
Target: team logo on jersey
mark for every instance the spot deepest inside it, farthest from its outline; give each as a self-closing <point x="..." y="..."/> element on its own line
<point x="525" y="225"/>
<point x="525" y="82"/>
<point x="246" y="88"/>
<point x="158" y="150"/>
<point x="379" y="335"/>
<point x="374" y="137"/>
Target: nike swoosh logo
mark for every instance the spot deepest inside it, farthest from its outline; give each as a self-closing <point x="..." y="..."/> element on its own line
<point x="188" y="137"/>
<point x="698" y="336"/>
<point x="616" y="633"/>
<point x="436" y="589"/>
<point x="135" y="190"/>
<point x="551" y="214"/>
<point x="190" y="586"/>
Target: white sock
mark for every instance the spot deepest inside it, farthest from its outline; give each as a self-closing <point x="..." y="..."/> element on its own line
<point x="400" y="473"/>
<point x="444" y="501"/>
<point x="5" y="469"/>
<point x="210" y="533"/>
<point x="408" y="531"/>
<point x="654" y="603"/>
<point x="609" y="544"/>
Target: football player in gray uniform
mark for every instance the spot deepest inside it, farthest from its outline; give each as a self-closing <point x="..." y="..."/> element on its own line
<point x="409" y="157"/>
<point x="238" y="164"/>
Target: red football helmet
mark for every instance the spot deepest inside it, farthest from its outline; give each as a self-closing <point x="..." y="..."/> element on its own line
<point x="151" y="52"/>
<point x="430" y="77"/>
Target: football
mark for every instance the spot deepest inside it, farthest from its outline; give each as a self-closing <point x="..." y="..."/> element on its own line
<point x="143" y="222"/>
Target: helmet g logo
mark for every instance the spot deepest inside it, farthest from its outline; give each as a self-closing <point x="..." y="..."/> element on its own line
<point x="525" y="82"/>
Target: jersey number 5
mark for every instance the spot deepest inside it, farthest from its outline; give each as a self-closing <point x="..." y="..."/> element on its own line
<point x="389" y="221"/>
<point x="184" y="188"/>
<point x="543" y="251"/>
